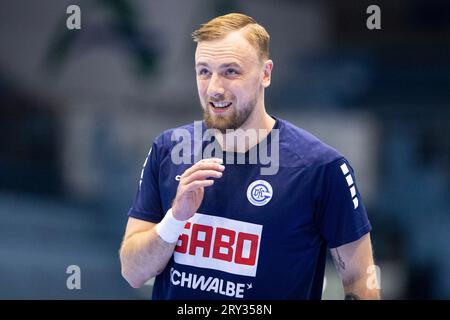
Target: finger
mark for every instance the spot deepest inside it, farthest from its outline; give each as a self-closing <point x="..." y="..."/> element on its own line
<point x="198" y="184"/>
<point x="203" y="166"/>
<point x="201" y="175"/>
<point x="216" y="160"/>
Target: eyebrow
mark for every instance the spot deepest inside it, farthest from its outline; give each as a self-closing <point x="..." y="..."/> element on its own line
<point x="225" y="65"/>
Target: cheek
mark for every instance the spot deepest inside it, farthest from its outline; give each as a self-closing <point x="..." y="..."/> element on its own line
<point x="236" y="89"/>
<point x="202" y="87"/>
<point x="242" y="92"/>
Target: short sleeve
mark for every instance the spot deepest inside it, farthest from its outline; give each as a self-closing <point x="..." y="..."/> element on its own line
<point x="147" y="202"/>
<point x="340" y="213"/>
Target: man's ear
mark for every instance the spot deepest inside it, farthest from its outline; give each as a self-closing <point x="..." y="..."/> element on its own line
<point x="268" y="66"/>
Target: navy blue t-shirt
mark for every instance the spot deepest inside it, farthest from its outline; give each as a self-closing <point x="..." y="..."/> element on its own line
<point x="254" y="236"/>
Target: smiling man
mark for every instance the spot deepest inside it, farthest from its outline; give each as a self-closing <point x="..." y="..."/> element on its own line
<point x="232" y="75"/>
<point x="223" y="230"/>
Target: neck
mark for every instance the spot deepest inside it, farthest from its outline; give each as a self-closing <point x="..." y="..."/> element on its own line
<point x="252" y="132"/>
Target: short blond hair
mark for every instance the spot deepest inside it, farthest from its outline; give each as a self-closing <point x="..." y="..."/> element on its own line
<point x="219" y="27"/>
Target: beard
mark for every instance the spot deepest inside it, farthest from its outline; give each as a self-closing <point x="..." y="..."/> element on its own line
<point x="234" y="118"/>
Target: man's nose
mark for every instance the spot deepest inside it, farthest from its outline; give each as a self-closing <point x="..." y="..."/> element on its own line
<point x="215" y="87"/>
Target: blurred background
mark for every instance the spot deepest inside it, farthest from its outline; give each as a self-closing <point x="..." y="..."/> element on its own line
<point x="79" y="110"/>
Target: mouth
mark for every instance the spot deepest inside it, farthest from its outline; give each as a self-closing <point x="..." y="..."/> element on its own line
<point x="220" y="107"/>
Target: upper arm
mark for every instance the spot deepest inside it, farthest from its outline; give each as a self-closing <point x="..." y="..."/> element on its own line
<point x="353" y="259"/>
<point x="136" y="226"/>
<point x="147" y="204"/>
<point x="340" y="215"/>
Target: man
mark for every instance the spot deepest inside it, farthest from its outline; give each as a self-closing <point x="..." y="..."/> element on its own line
<point x="221" y="230"/>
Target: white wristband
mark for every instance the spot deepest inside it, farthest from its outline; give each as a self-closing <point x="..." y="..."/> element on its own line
<point x="169" y="229"/>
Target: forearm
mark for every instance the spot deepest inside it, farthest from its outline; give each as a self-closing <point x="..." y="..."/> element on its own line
<point x="355" y="265"/>
<point x="143" y="256"/>
<point x="361" y="289"/>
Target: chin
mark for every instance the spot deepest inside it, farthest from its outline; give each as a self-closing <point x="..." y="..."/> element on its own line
<point x="212" y="123"/>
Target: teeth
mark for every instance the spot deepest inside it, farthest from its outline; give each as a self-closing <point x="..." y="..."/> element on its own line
<point x="221" y="104"/>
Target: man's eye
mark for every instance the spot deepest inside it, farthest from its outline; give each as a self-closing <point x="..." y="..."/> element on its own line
<point x="203" y="72"/>
<point x="231" y="72"/>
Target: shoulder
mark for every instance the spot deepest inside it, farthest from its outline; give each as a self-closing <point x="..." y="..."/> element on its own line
<point x="168" y="139"/>
<point x="300" y="148"/>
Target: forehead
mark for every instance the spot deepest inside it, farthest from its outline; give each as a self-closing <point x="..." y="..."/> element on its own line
<point x="234" y="47"/>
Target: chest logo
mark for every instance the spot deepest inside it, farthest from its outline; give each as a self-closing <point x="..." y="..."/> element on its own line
<point x="259" y="193"/>
<point x="219" y="243"/>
